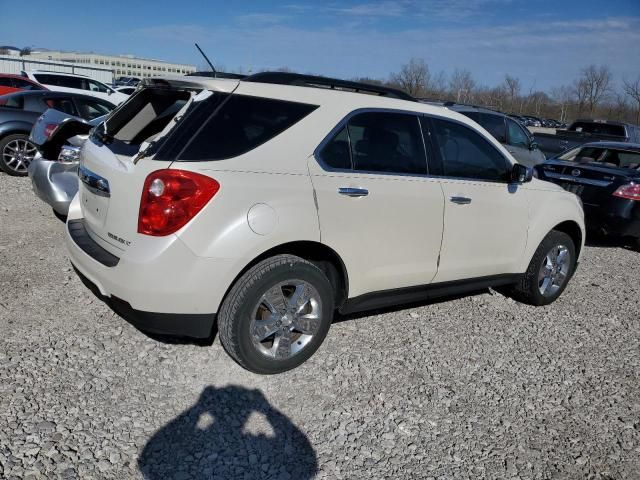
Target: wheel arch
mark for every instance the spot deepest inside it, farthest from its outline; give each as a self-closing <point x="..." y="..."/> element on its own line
<point x="315" y="252"/>
<point x="572" y="229"/>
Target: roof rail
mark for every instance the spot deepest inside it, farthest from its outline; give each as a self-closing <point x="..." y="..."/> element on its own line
<point x="61" y="73"/>
<point x="216" y="75"/>
<point x="300" y="80"/>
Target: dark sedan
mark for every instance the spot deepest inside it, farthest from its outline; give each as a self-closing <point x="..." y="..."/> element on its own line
<point x="19" y="111"/>
<point x="606" y="176"/>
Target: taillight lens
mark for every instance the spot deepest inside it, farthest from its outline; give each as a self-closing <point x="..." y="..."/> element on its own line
<point x="630" y="191"/>
<point x="49" y="128"/>
<point x="171" y="198"/>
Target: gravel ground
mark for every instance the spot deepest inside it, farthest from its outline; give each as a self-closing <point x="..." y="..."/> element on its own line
<point x="478" y="387"/>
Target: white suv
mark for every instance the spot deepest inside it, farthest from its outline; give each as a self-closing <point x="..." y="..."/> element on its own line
<point x="264" y="205"/>
<point x="70" y="82"/>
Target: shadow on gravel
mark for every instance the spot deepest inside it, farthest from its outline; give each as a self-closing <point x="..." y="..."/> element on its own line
<point x="216" y="438"/>
<point x="600" y="241"/>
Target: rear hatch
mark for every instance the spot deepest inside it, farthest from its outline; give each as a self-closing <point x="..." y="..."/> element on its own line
<point x="119" y="154"/>
<point x="593" y="183"/>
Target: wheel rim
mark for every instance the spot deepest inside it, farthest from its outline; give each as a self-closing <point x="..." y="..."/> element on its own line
<point x="286" y="318"/>
<point x="18" y="154"/>
<point x="554" y="270"/>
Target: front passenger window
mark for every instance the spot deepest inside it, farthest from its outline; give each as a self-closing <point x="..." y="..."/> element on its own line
<point x="466" y="154"/>
<point x="517" y="137"/>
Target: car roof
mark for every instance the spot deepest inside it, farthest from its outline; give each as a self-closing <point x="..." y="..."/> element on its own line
<point x="11" y="75"/>
<point x="64" y="74"/>
<point x="463" y="107"/>
<point x="53" y="94"/>
<point x="635" y="147"/>
<point x="604" y="122"/>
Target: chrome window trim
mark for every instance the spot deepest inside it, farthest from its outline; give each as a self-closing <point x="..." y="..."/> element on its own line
<point x="343" y="122"/>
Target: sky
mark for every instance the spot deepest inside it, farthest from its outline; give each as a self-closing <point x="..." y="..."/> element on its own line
<point x="544" y="43"/>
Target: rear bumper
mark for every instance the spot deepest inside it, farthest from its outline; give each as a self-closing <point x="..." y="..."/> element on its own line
<point x="158" y="285"/>
<point x="183" y="325"/>
<point x="620" y="218"/>
<point x="54" y="183"/>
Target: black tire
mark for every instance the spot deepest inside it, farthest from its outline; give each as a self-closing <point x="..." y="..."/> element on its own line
<point x="527" y="290"/>
<point x="4" y="166"/>
<point x="238" y="310"/>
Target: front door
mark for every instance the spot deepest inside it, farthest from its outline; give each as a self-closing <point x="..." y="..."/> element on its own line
<point x="377" y="207"/>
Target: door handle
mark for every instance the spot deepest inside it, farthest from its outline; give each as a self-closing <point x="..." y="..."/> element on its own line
<point x="461" y="200"/>
<point x="353" y="192"/>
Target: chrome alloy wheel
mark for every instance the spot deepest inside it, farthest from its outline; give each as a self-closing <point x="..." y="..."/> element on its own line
<point x="285" y="319"/>
<point x="18" y="154"/>
<point x="554" y="270"/>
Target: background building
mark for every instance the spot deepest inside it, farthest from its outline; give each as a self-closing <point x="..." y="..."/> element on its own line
<point x="122" y="65"/>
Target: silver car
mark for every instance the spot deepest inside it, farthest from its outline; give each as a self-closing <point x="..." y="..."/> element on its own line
<point x="54" y="170"/>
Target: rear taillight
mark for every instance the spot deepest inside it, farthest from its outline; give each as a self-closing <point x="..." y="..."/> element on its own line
<point x="171" y="198"/>
<point x="630" y="191"/>
<point x="49" y="128"/>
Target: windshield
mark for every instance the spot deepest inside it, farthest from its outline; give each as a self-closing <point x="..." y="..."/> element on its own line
<point x="607" y="156"/>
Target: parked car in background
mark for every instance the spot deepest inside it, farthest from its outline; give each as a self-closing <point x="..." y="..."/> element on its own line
<point x="515" y="138"/>
<point x="74" y="83"/>
<point x="16" y="83"/>
<point x="126" y="90"/>
<point x="19" y="112"/>
<point x="54" y="170"/>
<point x="217" y="217"/>
<point x="126" y="82"/>
<point x="586" y="131"/>
<point x="606" y="176"/>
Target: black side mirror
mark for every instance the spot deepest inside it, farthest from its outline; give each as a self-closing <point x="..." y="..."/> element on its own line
<point x="533" y="145"/>
<point x="521" y="174"/>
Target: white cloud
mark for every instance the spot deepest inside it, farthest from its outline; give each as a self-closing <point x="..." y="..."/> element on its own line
<point x="542" y="52"/>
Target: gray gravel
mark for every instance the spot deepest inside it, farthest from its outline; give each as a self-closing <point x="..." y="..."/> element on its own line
<point x="479" y="387"/>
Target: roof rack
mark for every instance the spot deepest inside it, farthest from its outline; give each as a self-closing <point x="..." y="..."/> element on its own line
<point x="216" y="75"/>
<point x="300" y="80"/>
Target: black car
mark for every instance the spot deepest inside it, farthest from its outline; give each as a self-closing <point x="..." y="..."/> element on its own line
<point x="606" y="176"/>
<point x="18" y="113"/>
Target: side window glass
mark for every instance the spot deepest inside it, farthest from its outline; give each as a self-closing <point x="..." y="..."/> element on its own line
<point x="494" y="124"/>
<point x="466" y="154"/>
<point x="387" y="142"/>
<point x="242" y="124"/>
<point x="335" y="154"/>
<point x="62" y="104"/>
<point x="97" y="87"/>
<point x="89" y="109"/>
<point x="6" y="82"/>
<point x="517" y="137"/>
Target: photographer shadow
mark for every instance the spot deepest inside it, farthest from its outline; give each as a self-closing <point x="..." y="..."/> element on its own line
<point x="231" y="432"/>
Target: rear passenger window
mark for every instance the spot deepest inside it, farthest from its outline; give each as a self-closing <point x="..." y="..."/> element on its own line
<point x="62" y="104"/>
<point x="387" y="142"/>
<point x="241" y="124"/>
<point x="466" y="154"/>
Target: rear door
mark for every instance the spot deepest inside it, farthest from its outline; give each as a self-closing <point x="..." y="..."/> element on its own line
<point x="377" y="206"/>
<point x="485" y="217"/>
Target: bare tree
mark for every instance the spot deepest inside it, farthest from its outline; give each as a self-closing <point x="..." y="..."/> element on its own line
<point x="562" y="96"/>
<point x="25" y="51"/>
<point x="512" y="86"/>
<point x="592" y="87"/>
<point x="414" y="77"/>
<point x="632" y="89"/>
<point x="462" y="85"/>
